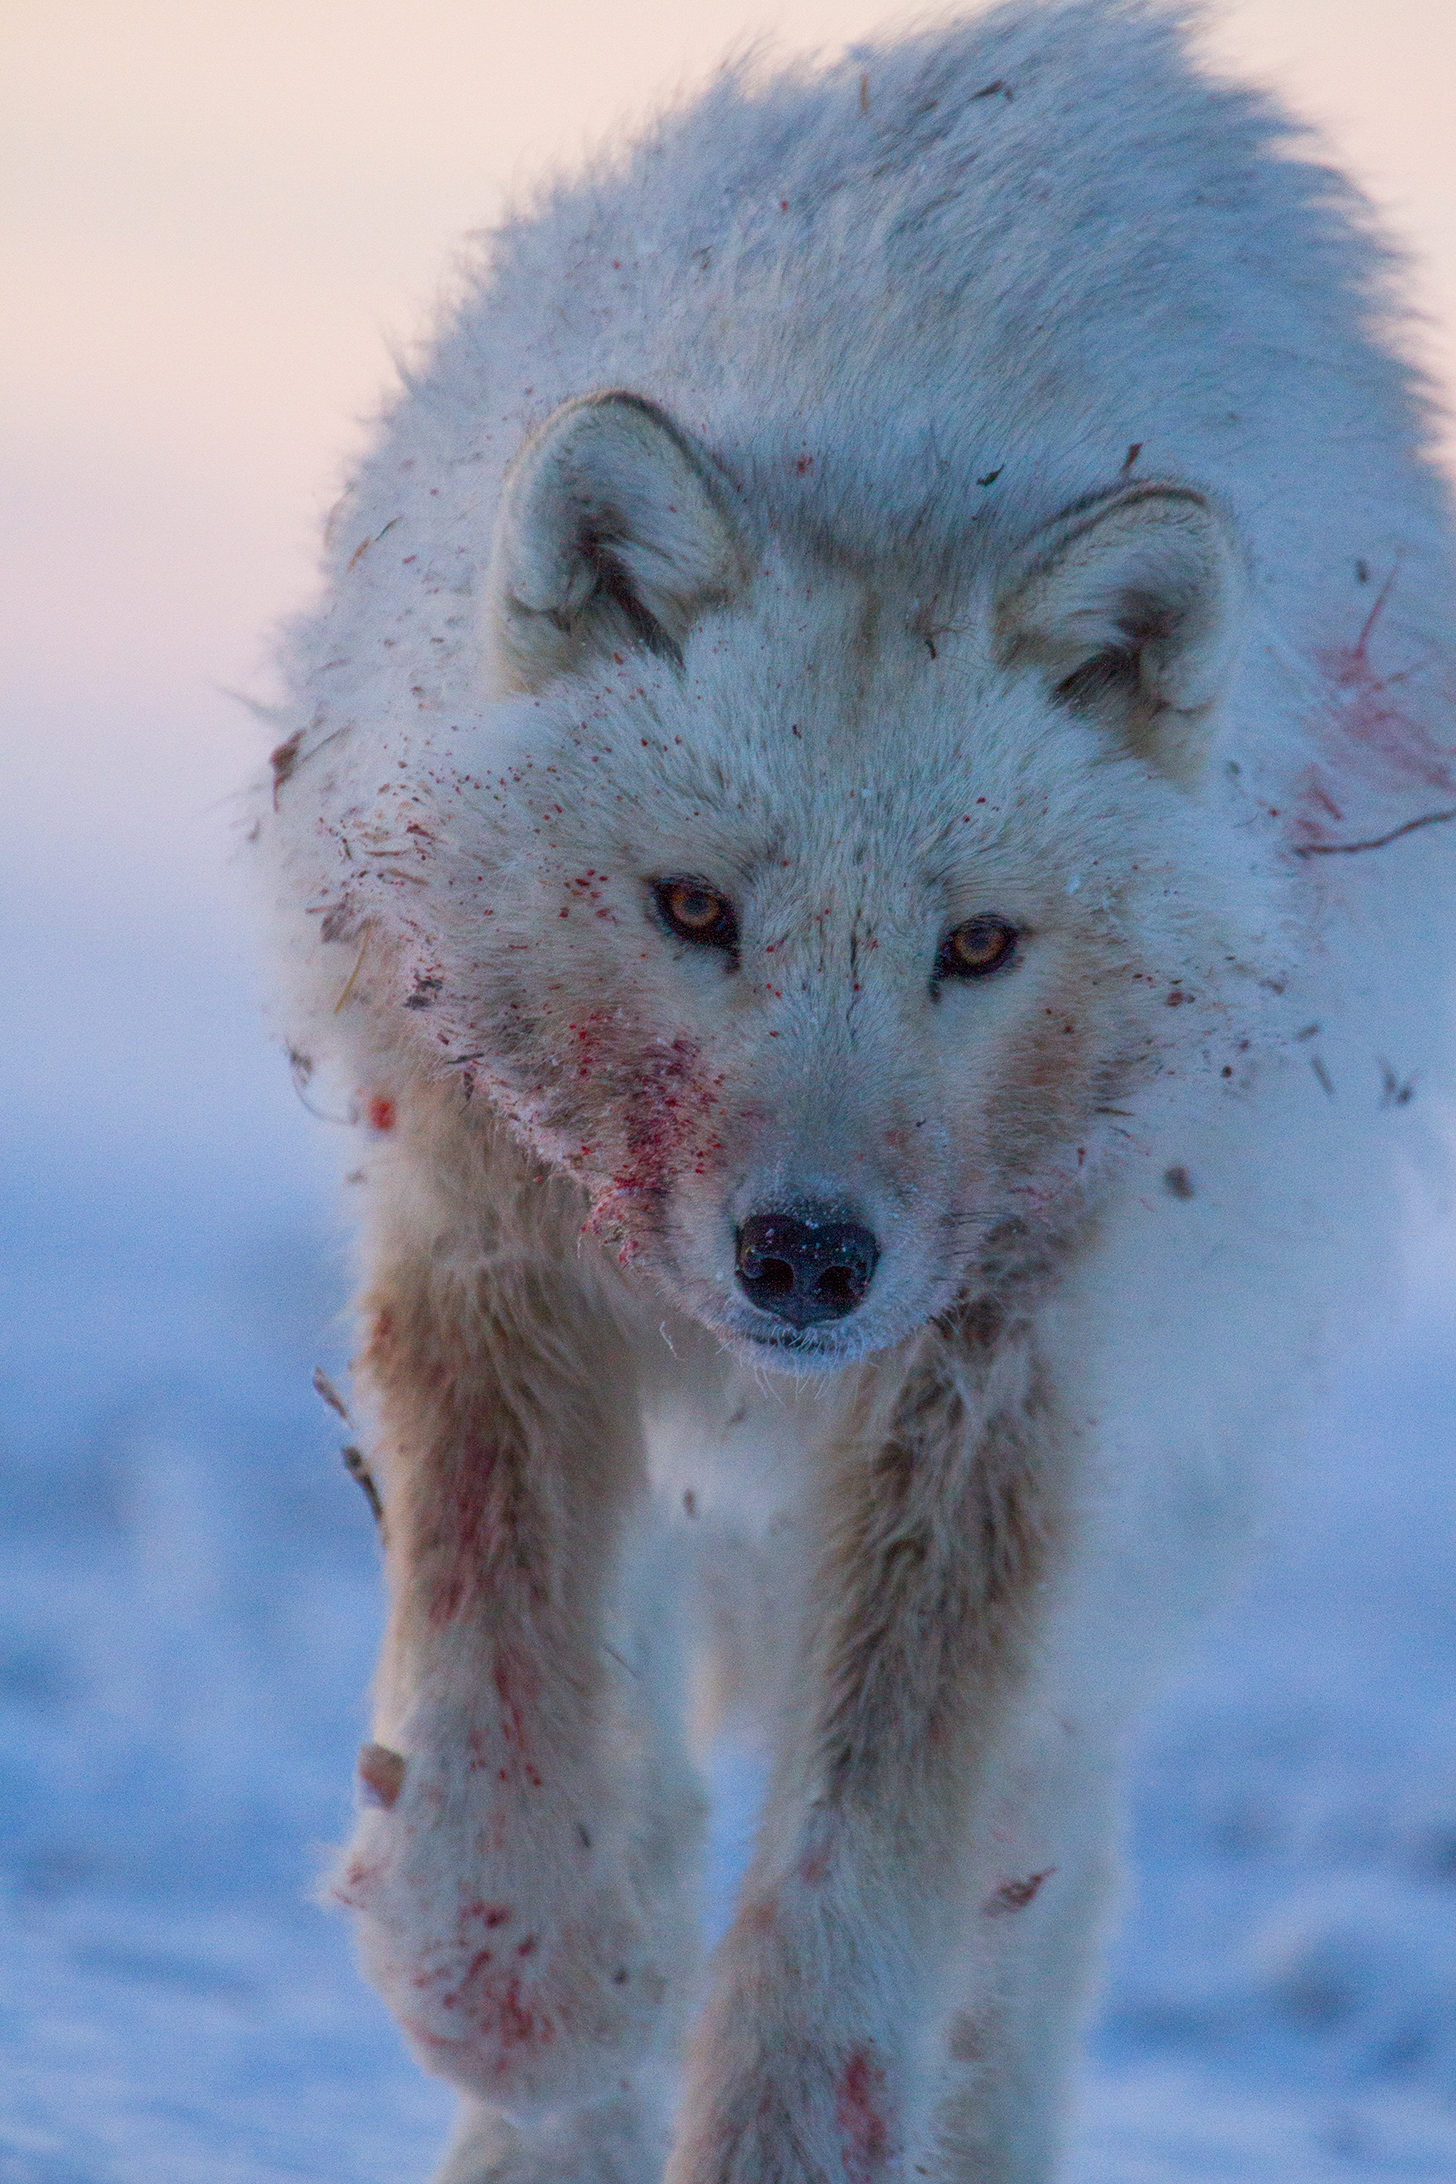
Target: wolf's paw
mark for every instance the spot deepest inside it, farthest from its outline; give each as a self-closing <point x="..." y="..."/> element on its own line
<point x="613" y="2142"/>
<point x="507" y="1941"/>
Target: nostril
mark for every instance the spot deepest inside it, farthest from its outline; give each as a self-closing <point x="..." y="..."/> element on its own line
<point x="837" y="1286"/>
<point x="805" y="1267"/>
<point x="774" y="1277"/>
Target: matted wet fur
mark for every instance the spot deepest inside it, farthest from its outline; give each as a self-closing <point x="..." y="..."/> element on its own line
<point x="867" y="832"/>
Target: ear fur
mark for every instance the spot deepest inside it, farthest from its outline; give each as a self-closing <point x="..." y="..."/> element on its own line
<point x="1132" y="608"/>
<point x="613" y="531"/>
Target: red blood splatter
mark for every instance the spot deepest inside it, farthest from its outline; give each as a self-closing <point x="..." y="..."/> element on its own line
<point x="591" y="1034"/>
<point x="513" y="1684"/>
<point x="356" y="1883"/>
<point x="494" y="2012"/>
<point x="864" y="2134"/>
<point x="663" y="1106"/>
<point x="521" y="2025"/>
<point x="1014" y="1895"/>
<point x="499" y="2010"/>
<point x="502" y="2021"/>
<point x="380" y="1113"/>
<point x="665" y="1126"/>
<point x="1369" y="730"/>
<point x="470" y="1531"/>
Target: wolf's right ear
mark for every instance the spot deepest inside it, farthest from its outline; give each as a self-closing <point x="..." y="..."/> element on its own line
<point x="613" y="532"/>
<point x="1132" y="607"/>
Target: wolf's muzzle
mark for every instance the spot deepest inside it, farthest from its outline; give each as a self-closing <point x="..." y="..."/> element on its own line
<point x="808" y="1266"/>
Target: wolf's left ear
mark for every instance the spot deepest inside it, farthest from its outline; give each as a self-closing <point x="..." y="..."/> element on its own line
<point x="613" y="531"/>
<point x="1133" y="610"/>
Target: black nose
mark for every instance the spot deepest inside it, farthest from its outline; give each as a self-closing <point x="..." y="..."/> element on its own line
<point x="805" y="1267"/>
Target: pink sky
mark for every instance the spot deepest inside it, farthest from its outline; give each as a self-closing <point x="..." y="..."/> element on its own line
<point x="220" y="212"/>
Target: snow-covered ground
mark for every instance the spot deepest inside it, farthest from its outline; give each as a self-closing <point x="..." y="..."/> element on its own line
<point x="188" y="1608"/>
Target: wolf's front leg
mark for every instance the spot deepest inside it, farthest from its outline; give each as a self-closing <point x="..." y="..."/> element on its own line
<point x="939" y="1509"/>
<point x="517" y="1907"/>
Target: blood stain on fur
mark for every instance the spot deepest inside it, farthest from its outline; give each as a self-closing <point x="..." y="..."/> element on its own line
<point x="1014" y="1895"/>
<point x="501" y="2018"/>
<point x="668" y="1131"/>
<point x="499" y="2009"/>
<point x="356" y="1883"/>
<point x="1373" y="734"/>
<point x="495" y="2015"/>
<point x="509" y="1677"/>
<point x="380" y="1114"/>
<point x="469" y="1537"/>
<point x="864" y="2135"/>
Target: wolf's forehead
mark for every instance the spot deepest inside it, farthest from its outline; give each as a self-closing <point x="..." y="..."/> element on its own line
<point x="791" y="778"/>
<point x="848" y="656"/>
<point x="818" y="730"/>
<point x="815" y="707"/>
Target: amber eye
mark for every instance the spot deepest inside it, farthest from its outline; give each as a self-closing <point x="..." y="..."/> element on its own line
<point x="697" y="912"/>
<point x="977" y="948"/>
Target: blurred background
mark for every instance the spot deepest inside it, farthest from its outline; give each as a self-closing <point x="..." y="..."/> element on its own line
<point x="223" y="219"/>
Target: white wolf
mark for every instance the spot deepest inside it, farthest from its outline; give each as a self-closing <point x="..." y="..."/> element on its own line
<point x="865" y="826"/>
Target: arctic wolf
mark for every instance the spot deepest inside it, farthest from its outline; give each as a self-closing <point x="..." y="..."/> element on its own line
<point x="867" y="832"/>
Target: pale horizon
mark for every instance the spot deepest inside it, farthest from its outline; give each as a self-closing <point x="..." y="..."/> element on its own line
<point x="224" y="220"/>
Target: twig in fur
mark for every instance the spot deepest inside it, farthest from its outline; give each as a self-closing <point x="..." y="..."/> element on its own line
<point x="322" y="1385"/>
<point x="358" y="967"/>
<point x="283" y="760"/>
<point x="1376" y="841"/>
<point x="357" y="1467"/>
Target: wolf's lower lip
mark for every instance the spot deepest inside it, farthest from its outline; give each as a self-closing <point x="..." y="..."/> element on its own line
<point x="798" y="1345"/>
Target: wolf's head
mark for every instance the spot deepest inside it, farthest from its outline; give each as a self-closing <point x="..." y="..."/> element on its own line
<point x="823" y="918"/>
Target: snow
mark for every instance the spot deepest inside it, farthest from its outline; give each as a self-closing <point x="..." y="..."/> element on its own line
<point x="189" y="1604"/>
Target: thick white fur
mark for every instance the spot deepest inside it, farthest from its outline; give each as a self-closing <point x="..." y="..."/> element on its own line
<point x="767" y="514"/>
